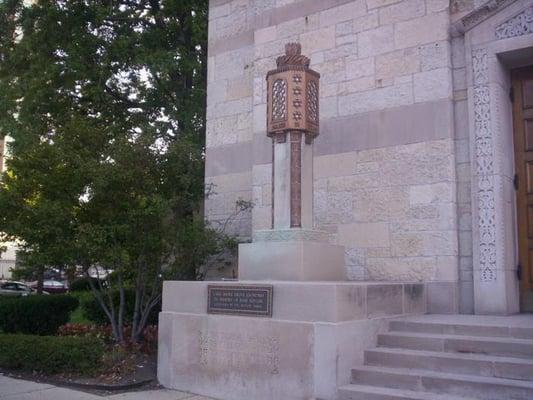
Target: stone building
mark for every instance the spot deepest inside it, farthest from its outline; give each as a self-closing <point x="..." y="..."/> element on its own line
<point x="414" y="170"/>
<point x="421" y="181"/>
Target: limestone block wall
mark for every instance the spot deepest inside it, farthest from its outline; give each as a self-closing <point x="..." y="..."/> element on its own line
<point x="229" y="115"/>
<point x="462" y="158"/>
<point x="385" y="173"/>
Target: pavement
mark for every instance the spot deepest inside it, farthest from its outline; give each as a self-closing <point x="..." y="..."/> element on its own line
<point x="18" y="389"/>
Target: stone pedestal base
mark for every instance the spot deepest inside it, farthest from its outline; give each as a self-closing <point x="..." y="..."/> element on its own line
<point x="317" y="333"/>
<point x="291" y="255"/>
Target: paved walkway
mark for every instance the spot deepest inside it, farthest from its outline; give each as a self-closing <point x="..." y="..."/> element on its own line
<point x="17" y="389"/>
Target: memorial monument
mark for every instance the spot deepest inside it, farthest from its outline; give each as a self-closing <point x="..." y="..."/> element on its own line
<point x="292" y="250"/>
<point x="292" y="326"/>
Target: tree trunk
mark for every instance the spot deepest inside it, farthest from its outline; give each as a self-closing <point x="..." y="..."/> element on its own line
<point x="109" y="311"/>
<point x="137" y="335"/>
<point x="121" y="308"/>
<point x="40" y="279"/>
<point x="139" y="284"/>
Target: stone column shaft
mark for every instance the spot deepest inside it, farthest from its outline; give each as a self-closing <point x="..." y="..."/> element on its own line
<point x="292" y="175"/>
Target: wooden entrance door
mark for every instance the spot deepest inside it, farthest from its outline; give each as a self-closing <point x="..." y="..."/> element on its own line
<point x="522" y="94"/>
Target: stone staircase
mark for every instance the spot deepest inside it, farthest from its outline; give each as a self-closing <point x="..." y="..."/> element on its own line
<point x="460" y="357"/>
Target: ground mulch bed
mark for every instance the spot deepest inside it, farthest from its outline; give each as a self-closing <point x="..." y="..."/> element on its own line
<point x="124" y="371"/>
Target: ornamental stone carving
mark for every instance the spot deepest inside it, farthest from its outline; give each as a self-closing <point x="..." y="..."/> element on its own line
<point x="484" y="165"/>
<point x="522" y="24"/>
<point x="478" y="15"/>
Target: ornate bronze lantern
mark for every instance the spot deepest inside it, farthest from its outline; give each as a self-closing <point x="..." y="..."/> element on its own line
<point x="292" y="103"/>
<point x="292" y="111"/>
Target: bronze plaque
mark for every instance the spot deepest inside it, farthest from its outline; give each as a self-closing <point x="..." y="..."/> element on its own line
<point x="251" y="300"/>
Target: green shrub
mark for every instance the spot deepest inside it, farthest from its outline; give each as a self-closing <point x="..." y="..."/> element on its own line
<point x="83" y="284"/>
<point x="93" y="312"/>
<point x="36" y="315"/>
<point x="50" y="354"/>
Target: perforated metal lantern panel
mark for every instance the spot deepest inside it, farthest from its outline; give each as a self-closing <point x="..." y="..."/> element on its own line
<point x="293" y="95"/>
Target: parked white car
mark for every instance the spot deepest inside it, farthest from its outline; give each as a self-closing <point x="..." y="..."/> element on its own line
<point x="12" y="288"/>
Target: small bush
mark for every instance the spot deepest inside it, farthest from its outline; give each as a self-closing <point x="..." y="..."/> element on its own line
<point x="50" y="354"/>
<point x="36" y="315"/>
<point x="93" y="311"/>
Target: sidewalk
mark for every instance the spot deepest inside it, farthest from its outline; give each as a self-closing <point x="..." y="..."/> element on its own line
<point x="17" y="389"/>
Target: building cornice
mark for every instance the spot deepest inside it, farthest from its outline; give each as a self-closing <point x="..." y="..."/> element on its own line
<point x="479" y="15"/>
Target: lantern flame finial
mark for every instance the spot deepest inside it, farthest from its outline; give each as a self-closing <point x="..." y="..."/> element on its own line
<point x="293" y="56"/>
<point x="293" y="49"/>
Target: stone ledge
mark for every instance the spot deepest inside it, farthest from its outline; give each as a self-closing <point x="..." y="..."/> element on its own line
<point x="233" y="357"/>
<point x="318" y="332"/>
<point x="296" y="260"/>
<point x="284" y="235"/>
<point x="328" y="302"/>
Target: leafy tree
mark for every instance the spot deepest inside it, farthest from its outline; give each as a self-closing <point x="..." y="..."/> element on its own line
<point x="105" y="102"/>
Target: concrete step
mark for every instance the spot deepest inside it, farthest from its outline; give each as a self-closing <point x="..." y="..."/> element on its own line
<point x="458" y="343"/>
<point x="486" y="388"/>
<point x="364" y="392"/>
<point x="467" y="325"/>
<point x="459" y="363"/>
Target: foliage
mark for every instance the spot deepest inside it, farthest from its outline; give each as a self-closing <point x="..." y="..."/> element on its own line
<point x="105" y="102"/>
<point x="50" y="354"/>
<point x="83" y="284"/>
<point x="38" y="315"/>
<point x="23" y="273"/>
<point x="94" y="312"/>
<point x="105" y="333"/>
<point x="77" y="317"/>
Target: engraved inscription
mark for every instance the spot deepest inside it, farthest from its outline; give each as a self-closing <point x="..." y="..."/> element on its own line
<point x="234" y="351"/>
<point x="240" y="300"/>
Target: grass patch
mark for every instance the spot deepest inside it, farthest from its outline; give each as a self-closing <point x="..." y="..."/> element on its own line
<point x="77" y="317"/>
